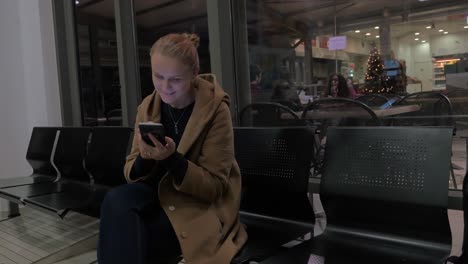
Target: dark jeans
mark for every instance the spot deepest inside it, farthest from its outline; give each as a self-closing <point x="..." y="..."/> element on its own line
<point x="134" y="228"/>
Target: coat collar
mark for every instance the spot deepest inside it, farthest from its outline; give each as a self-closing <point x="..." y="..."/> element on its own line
<point x="203" y="111"/>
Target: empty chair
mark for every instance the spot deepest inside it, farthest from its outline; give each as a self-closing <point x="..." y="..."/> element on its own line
<point x="39" y="154"/>
<point x="385" y="194"/>
<point x="340" y="111"/>
<point x="104" y="162"/>
<point x="68" y="159"/>
<point x="459" y="100"/>
<point x="435" y="110"/>
<point x="372" y="99"/>
<point x="71" y="151"/>
<point x="106" y="155"/>
<point x="268" y="115"/>
<point x="328" y="112"/>
<point x="275" y="208"/>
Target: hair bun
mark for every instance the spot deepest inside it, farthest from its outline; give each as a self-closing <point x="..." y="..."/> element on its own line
<point x="194" y="38"/>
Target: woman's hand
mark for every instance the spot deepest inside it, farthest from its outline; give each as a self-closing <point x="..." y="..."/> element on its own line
<point x="159" y="151"/>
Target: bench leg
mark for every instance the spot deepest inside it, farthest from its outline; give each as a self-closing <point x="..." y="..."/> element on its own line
<point x="13" y="210"/>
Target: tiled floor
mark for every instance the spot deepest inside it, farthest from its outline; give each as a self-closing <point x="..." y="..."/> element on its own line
<point x="35" y="235"/>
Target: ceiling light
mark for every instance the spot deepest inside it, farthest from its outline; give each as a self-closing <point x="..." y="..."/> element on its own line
<point x="417" y="33"/>
<point x="77" y="2"/>
<point x="377" y="27"/>
<point x="465" y="27"/>
<point x="423" y="41"/>
<point x="445" y="32"/>
<point x="441" y="30"/>
<point x="377" y="36"/>
<point x="357" y="31"/>
<point x="428" y="27"/>
<point x="416" y="39"/>
<point x="368" y="34"/>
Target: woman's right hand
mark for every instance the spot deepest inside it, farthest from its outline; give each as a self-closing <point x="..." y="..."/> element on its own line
<point x="159" y="151"/>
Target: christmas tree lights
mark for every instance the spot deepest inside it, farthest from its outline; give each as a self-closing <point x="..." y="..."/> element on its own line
<point x="375" y="78"/>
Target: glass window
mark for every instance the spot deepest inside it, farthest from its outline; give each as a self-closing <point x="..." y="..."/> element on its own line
<point x="408" y="55"/>
<point x="155" y="18"/>
<point x="98" y="63"/>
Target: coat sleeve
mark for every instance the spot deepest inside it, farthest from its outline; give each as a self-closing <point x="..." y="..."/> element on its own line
<point x="208" y="178"/>
<point x="134" y="152"/>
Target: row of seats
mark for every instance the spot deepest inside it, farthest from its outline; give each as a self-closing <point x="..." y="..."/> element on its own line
<point x="383" y="189"/>
<point x="384" y="192"/>
<point x="73" y="168"/>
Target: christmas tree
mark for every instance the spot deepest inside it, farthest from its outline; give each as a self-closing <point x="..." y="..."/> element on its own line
<point x="375" y="79"/>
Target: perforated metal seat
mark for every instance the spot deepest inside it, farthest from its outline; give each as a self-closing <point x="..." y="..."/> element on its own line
<point x="275" y="208"/>
<point x="385" y="194"/>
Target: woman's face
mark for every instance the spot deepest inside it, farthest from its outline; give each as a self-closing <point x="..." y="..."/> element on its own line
<point x="334" y="80"/>
<point x="172" y="80"/>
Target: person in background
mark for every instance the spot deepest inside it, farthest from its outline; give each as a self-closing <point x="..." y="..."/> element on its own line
<point x="284" y="91"/>
<point x="337" y="86"/>
<point x="352" y="92"/>
<point x="183" y="197"/>
<point x="255" y="79"/>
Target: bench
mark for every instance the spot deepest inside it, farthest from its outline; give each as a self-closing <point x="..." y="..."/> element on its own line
<point x="275" y="208"/>
<point x="385" y="194"/>
<point x="73" y="168"/>
<point x="83" y="163"/>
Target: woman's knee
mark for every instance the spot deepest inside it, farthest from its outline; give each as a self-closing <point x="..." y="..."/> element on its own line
<point x="126" y="197"/>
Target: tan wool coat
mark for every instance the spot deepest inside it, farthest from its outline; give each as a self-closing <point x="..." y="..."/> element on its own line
<point x="204" y="208"/>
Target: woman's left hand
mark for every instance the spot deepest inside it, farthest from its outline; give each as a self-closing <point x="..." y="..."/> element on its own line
<point x="159" y="151"/>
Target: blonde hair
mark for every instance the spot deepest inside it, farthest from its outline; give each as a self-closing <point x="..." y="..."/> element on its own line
<point x="182" y="46"/>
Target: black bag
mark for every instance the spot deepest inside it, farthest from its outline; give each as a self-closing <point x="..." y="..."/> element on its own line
<point x="463" y="258"/>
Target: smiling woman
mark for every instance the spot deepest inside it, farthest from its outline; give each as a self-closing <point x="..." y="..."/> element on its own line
<point x="174" y="62"/>
<point x="183" y="195"/>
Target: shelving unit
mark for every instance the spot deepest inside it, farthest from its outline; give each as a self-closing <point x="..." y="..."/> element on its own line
<point x="438" y="72"/>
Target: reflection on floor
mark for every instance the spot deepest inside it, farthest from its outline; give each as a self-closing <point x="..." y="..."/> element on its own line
<point x="34" y="235"/>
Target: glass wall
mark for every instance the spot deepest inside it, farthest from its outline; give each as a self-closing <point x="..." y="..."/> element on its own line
<point x="400" y="60"/>
<point x="98" y="63"/>
<point x="406" y="61"/>
<point x="157" y="18"/>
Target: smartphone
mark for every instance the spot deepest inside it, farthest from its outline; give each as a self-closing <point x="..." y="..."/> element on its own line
<point x="156" y="129"/>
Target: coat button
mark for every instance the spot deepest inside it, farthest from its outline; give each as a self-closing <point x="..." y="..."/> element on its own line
<point x="183" y="235"/>
<point x="171" y="208"/>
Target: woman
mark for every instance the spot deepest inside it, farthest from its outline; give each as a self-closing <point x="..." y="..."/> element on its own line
<point x="183" y="197"/>
<point x="284" y="91"/>
<point x="337" y="86"/>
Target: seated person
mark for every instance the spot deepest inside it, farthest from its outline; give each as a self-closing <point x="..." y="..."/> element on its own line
<point x="255" y="79"/>
<point x="182" y="197"/>
<point x="284" y="91"/>
<point x="338" y="87"/>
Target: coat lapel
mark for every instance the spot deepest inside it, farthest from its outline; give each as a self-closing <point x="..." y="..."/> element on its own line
<point x="202" y="113"/>
<point x="153" y="111"/>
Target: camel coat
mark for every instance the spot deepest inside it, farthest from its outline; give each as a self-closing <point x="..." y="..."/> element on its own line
<point x="204" y="208"/>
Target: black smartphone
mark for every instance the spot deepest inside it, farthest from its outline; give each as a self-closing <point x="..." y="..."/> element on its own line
<point x="156" y="129"/>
